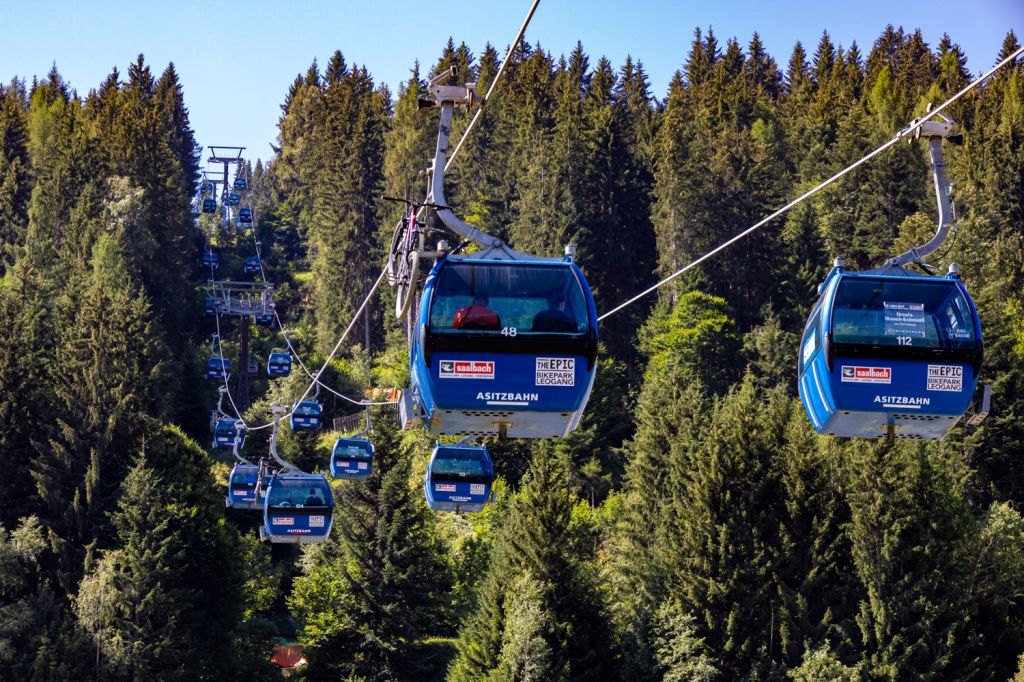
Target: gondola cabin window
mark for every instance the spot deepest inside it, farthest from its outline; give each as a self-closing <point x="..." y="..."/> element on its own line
<point x="514" y="300"/>
<point x="901" y="313"/>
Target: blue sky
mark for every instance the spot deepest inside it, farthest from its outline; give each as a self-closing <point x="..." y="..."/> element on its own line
<point x="236" y="60"/>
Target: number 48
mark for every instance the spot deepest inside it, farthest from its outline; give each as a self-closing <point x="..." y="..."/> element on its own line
<point x="508" y="331"/>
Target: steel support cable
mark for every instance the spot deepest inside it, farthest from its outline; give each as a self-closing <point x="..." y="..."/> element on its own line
<point x="817" y="188"/>
<point x="334" y="351"/>
<point x="227" y="388"/>
<point x="330" y="357"/>
<point x="295" y="353"/>
<point x="497" y="77"/>
<point x="220" y="350"/>
<point x="383" y="272"/>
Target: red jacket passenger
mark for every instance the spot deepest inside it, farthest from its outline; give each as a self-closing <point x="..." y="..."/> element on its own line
<point x="477" y="316"/>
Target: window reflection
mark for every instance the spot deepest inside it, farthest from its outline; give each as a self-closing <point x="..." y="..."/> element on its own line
<point x="879" y="312"/>
<point x="490" y="297"/>
<point x="298" y="493"/>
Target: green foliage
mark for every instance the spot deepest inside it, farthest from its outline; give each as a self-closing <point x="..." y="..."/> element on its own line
<point x="821" y="665"/>
<point x="23" y="596"/>
<point x="695" y="339"/>
<point x="537" y="612"/>
<point x="347" y="139"/>
<point x="525" y="653"/>
<point x="681" y="654"/>
<point x="172" y="583"/>
<point x="376" y="586"/>
<point x="15" y="178"/>
<point x="692" y="527"/>
<point x="910" y="529"/>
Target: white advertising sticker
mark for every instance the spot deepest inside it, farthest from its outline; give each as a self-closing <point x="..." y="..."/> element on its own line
<point x="866" y="375"/>
<point x="904" y="319"/>
<point x="945" y="378"/>
<point x="556" y="371"/>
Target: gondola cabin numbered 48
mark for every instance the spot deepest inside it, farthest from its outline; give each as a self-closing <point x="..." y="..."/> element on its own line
<point x="504" y="348"/>
<point x="889" y="349"/>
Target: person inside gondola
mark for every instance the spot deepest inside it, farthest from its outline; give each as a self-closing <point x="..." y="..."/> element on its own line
<point x="477" y="316"/>
<point x="314" y="499"/>
<point x="555" y="318"/>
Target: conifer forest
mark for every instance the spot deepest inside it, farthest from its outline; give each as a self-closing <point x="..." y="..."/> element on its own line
<point x="694" y="526"/>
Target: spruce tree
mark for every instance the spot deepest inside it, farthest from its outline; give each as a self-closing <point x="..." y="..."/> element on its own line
<point x="129" y="601"/>
<point x="374" y="589"/>
<point x="908" y="528"/>
<point x="724" y="551"/>
<point x="537" y="547"/>
<point x="15" y="179"/>
<point x="24" y="596"/>
<point x="172" y="583"/>
<point x="348" y="157"/>
<point x="107" y="365"/>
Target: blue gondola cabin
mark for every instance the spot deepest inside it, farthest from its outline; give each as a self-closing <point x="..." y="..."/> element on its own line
<point x="228" y="432"/>
<point x="299" y="508"/>
<point x="503" y="348"/>
<point x="459" y="478"/>
<point x="279" y="364"/>
<point x="352" y="459"/>
<point x="306" y="416"/>
<point x="889" y="350"/>
<point x="218" y="368"/>
<point x="242" y="488"/>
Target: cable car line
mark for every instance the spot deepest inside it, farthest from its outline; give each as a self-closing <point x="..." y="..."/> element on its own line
<point x="380" y="278"/>
<point x="905" y="132"/>
<point x="490" y="89"/>
<point x="450" y="161"/>
<point x="295" y="353"/>
<point x="314" y="381"/>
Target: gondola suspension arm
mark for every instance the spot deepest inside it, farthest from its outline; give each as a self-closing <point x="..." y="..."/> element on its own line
<point x="936" y="132"/>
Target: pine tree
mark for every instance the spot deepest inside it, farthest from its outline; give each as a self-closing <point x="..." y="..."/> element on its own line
<point x="908" y="527"/>
<point x="537" y="547"/>
<point x="348" y="153"/>
<point x="127" y="601"/>
<point x="15" y="182"/>
<point x="681" y="654"/>
<point x="724" y="549"/>
<point x="818" y="594"/>
<point x="172" y="582"/>
<point x="374" y="589"/>
<point x="525" y="653"/>
<point x="24" y="596"/>
<point x="106" y="368"/>
<point x="27" y="326"/>
<point x="669" y="418"/>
